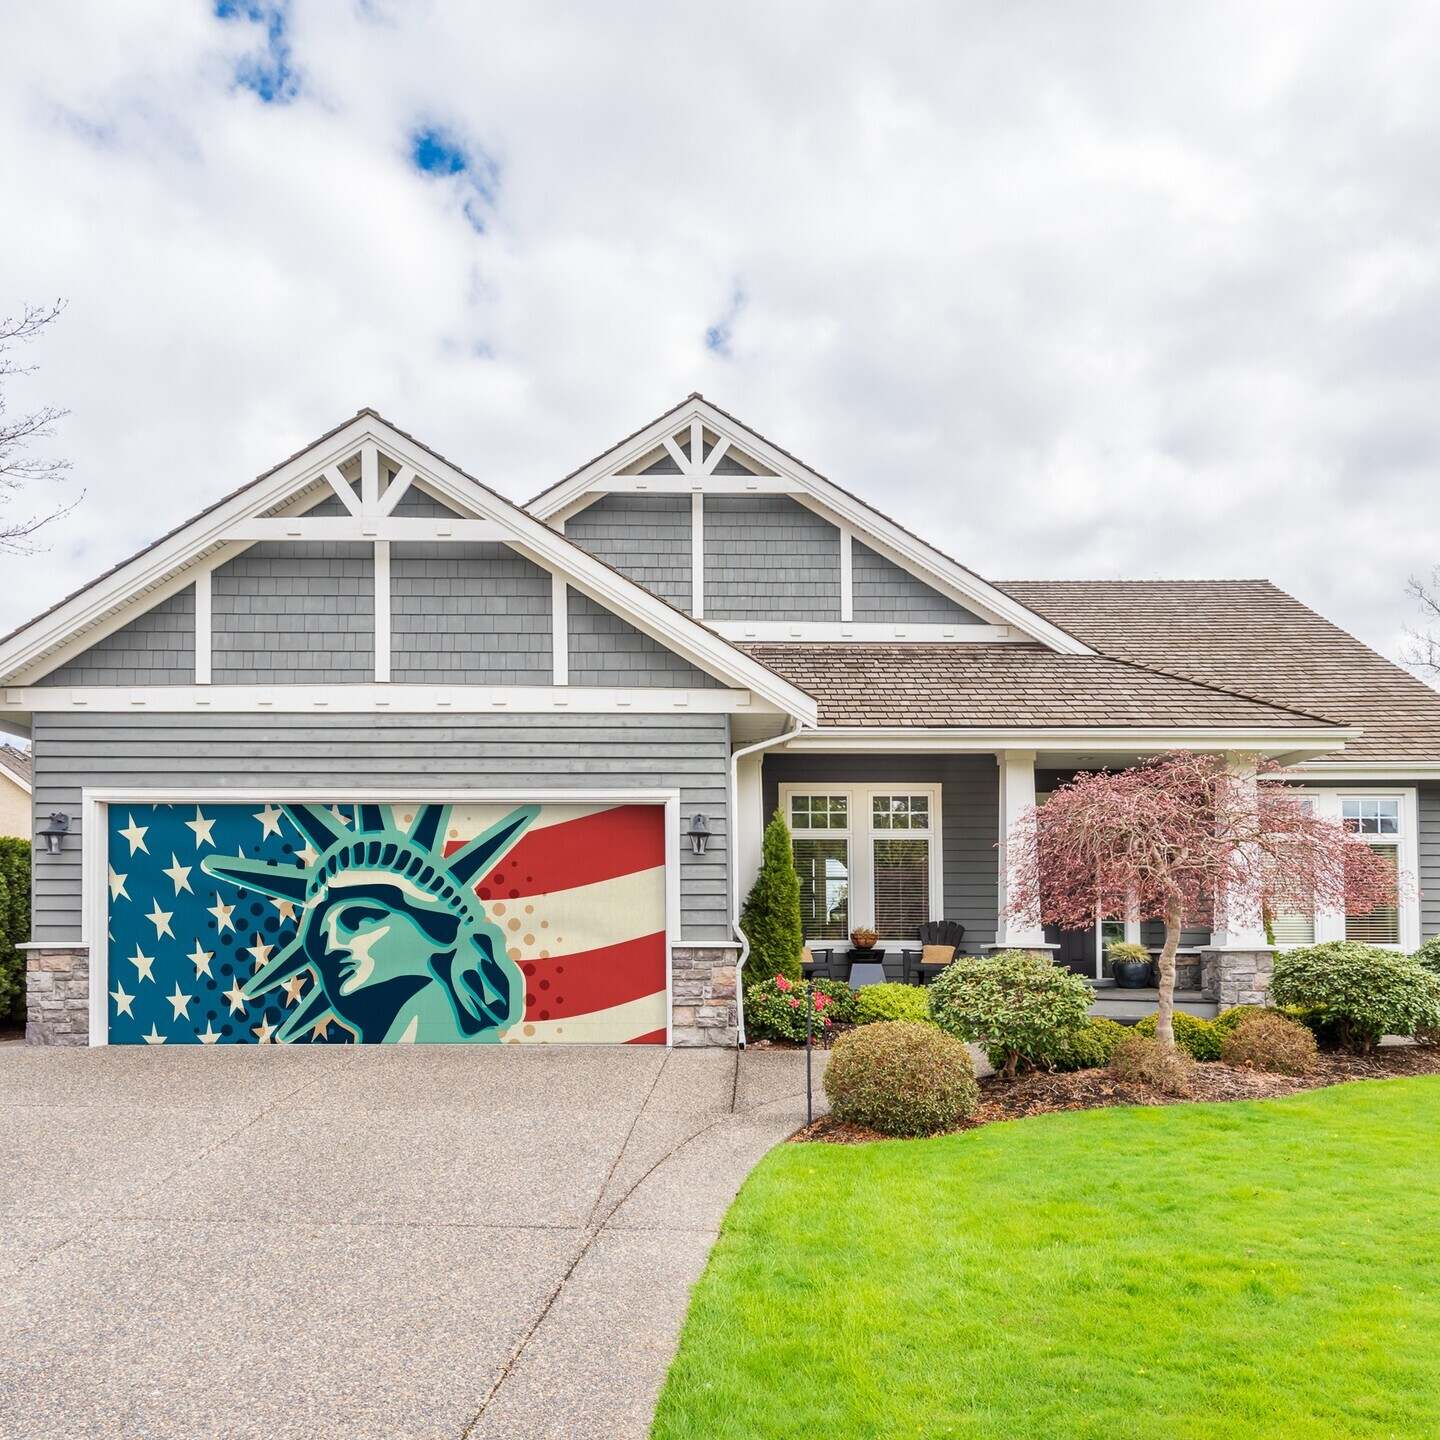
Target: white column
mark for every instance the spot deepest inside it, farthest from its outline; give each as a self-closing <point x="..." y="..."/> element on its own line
<point x="847" y="577"/>
<point x="1017" y="794"/>
<point x="203" y="628"/>
<point x="748" y="826"/>
<point x="382" y="611"/>
<point x="559" y="630"/>
<point x="1239" y="923"/>
<point x="697" y="554"/>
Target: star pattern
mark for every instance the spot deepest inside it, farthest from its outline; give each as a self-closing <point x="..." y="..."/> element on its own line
<point x="117" y="885"/>
<point x="160" y="919"/>
<point x="202" y="828"/>
<point x="135" y="834"/>
<point x="179" y="874"/>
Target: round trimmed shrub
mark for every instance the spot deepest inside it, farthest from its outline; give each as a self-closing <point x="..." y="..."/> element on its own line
<point x="1357" y="992"/>
<point x="891" y="1002"/>
<point x="1018" y="1005"/>
<point x="1267" y="1040"/>
<point x="1428" y="954"/>
<point x="901" y="1078"/>
<point x="1090" y="1047"/>
<point x="1139" y="1060"/>
<point x="1196" y="1036"/>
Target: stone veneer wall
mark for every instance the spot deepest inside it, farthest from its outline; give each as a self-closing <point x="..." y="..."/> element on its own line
<point x="703" y="1005"/>
<point x="1236" y="977"/>
<point x="57" y="995"/>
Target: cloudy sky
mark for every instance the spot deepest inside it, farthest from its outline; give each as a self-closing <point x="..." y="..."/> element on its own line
<point x="1076" y="290"/>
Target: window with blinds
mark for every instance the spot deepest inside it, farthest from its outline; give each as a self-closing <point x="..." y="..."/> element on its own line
<point x="824" y="870"/>
<point x="902" y="886"/>
<point x="1380" y="926"/>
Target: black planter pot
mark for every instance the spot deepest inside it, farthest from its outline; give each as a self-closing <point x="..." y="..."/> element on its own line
<point x="1132" y="974"/>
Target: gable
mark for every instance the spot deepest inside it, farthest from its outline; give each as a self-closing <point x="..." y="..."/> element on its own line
<point x="156" y="648"/>
<point x="789" y="575"/>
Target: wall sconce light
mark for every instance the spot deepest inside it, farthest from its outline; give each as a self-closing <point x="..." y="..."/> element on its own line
<point x="699" y="833"/>
<point x="54" y="831"/>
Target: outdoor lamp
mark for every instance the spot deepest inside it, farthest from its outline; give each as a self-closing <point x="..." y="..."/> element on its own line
<point x="699" y="833"/>
<point x="54" y="831"/>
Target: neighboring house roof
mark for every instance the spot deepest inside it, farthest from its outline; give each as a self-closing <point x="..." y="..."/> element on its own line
<point x="16" y="764"/>
<point x="1251" y="636"/>
<point x="988" y="686"/>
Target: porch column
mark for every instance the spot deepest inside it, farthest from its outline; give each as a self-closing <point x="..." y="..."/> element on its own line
<point x="1017" y="794"/>
<point x="748" y="826"/>
<point x="1236" y="965"/>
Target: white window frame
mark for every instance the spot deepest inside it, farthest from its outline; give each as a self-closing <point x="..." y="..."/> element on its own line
<point x="1330" y="924"/>
<point x="861" y="835"/>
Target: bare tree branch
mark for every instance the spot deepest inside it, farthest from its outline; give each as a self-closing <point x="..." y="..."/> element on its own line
<point x="1422" y="646"/>
<point x="18" y="466"/>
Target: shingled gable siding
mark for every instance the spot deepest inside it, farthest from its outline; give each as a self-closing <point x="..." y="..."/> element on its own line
<point x="295" y="613"/>
<point x="468" y="614"/>
<point x="970" y="819"/>
<point x="882" y="591"/>
<point x="645" y="537"/>
<point x="606" y="650"/>
<point x="156" y="648"/>
<point x="768" y="558"/>
<point x="348" y="754"/>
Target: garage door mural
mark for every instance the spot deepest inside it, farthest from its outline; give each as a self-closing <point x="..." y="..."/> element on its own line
<point x="370" y="924"/>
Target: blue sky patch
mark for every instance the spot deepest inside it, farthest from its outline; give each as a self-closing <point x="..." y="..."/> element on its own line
<point x="438" y="152"/>
<point x="719" y="335"/>
<point x="271" y="74"/>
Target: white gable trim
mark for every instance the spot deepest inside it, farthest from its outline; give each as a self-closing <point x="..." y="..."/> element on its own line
<point x="14" y="776"/>
<point x="167" y="566"/>
<point x="789" y="477"/>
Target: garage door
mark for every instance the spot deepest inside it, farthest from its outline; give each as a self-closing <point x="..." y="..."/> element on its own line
<point x="382" y="924"/>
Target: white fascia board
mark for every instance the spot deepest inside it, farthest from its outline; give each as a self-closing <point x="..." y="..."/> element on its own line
<point x="1362" y="771"/>
<point x="1320" y="740"/>
<point x="379" y="698"/>
<point x="531" y="537"/>
<point x="874" y="529"/>
<point x="355" y="528"/>
<point x="874" y="632"/>
<point x="14" y="777"/>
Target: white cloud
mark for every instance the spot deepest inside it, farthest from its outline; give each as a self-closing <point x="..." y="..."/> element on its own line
<point x="1094" y="290"/>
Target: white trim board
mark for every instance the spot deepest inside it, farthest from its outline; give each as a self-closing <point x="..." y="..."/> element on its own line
<point x="1284" y="743"/>
<point x="871" y="631"/>
<point x="788" y="476"/>
<point x="95" y="829"/>
<point x="164" y="565"/>
<point x="380" y="698"/>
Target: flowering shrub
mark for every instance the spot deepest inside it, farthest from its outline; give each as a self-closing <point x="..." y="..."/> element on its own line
<point x="901" y="1078"/>
<point x="1022" y="1008"/>
<point x="891" y="1002"/>
<point x="1357" y="993"/>
<point x="775" y="1009"/>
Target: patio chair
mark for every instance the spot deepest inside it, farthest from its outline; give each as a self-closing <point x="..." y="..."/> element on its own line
<point x="939" y="942"/>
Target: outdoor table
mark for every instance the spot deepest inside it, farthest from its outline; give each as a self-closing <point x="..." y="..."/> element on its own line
<point x="867" y="967"/>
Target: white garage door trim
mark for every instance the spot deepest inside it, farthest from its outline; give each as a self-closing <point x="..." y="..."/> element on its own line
<point x="95" y="830"/>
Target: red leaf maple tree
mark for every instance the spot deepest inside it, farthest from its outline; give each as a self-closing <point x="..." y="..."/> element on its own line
<point x="1177" y="838"/>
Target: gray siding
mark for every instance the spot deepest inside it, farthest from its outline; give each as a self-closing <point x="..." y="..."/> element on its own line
<point x="645" y="537"/>
<point x="468" y="614"/>
<point x="882" y="591"/>
<point x="156" y="648"/>
<point x="606" y="650"/>
<point x="295" y="614"/>
<point x="350" y="753"/>
<point x="767" y="558"/>
<point x="1429" y="852"/>
<point x="419" y="504"/>
<point x="969" y="822"/>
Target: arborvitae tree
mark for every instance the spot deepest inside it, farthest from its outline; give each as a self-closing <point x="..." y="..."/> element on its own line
<point x="14" y="925"/>
<point x="771" y="917"/>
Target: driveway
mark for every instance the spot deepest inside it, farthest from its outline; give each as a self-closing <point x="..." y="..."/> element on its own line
<point x="438" y="1242"/>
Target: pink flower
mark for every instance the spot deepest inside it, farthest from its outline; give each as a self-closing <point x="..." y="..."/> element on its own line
<point x="820" y="999"/>
<point x="794" y="1003"/>
<point x="781" y="983"/>
<point x="824" y="1019"/>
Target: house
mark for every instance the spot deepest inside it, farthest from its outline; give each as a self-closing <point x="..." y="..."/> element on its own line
<point x="364" y="751"/>
<point x="14" y="791"/>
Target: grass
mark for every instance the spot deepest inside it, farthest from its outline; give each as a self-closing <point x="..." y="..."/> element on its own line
<point x="1261" y="1269"/>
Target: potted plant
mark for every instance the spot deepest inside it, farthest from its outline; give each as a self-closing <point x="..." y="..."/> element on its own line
<point x="1129" y="964"/>
<point x="863" y="939"/>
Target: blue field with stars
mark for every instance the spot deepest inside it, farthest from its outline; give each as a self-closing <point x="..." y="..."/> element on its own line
<point x="181" y="943"/>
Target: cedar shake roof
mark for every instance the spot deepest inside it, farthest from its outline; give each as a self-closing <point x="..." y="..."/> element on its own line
<point x="1005" y="684"/>
<point x="1250" y="636"/>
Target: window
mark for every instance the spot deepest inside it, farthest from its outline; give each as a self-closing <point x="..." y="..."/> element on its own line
<point x="866" y="855"/>
<point x="1386" y="822"/>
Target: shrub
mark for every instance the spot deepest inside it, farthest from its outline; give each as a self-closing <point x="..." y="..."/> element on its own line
<point x="1197" y="1037"/>
<point x="14" y="926"/>
<point x="1118" y="950"/>
<point x="839" y="1002"/>
<point x="1266" y="1040"/>
<point x="775" y="1009"/>
<point x="1359" y="991"/>
<point x="1428" y="954"/>
<point x="1090" y="1047"/>
<point x="901" y="1078"/>
<point x="1227" y="1020"/>
<point x="771" y="916"/>
<point x="1018" y="1005"/>
<point x="1139" y="1060"/>
<point x="891" y="1002"/>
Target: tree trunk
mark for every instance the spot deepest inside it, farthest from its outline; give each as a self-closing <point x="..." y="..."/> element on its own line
<point x="1165" y="981"/>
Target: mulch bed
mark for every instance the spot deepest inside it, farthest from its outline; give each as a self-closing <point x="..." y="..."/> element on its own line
<point x="1042" y="1093"/>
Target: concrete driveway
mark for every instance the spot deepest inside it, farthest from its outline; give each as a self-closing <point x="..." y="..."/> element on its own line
<point x="362" y="1242"/>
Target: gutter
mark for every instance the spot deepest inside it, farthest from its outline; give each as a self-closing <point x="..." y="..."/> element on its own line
<point x="735" y="758"/>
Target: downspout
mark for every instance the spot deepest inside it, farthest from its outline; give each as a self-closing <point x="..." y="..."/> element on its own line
<point x="744" y="955"/>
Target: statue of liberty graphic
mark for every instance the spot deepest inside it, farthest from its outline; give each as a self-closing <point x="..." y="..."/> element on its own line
<point x="398" y="942"/>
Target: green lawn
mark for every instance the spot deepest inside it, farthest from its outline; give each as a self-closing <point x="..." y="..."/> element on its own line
<point x="1270" y="1268"/>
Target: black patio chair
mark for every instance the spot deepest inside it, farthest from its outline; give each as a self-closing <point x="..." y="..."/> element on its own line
<point x="933" y="932"/>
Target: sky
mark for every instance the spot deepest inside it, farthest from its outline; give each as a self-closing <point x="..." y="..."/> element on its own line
<point x="1094" y="291"/>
